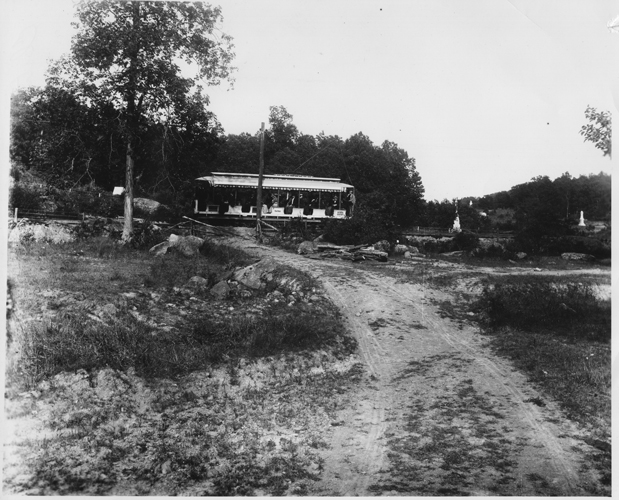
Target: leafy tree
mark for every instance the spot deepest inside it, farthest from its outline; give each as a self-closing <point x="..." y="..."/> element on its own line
<point x="65" y="141"/>
<point x="129" y="54"/>
<point x="440" y="214"/>
<point x="239" y="153"/>
<point x="592" y="195"/>
<point x="282" y="133"/>
<point x="599" y="130"/>
<point x="25" y="127"/>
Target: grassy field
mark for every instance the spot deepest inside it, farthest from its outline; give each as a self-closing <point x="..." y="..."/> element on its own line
<point x="126" y="377"/>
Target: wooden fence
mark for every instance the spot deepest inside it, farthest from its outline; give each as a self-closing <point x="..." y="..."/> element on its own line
<point x="19" y="213"/>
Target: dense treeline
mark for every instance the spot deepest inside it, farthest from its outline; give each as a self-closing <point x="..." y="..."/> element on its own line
<point x="565" y="197"/>
<point x="71" y="144"/>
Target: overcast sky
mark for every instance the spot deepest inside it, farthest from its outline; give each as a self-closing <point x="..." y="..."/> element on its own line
<point x="484" y="94"/>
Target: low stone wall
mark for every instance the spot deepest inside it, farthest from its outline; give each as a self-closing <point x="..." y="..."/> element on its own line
<point x="25" y="230"/>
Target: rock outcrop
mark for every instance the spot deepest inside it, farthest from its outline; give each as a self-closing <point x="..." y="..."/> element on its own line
<point x="257" y="275"/>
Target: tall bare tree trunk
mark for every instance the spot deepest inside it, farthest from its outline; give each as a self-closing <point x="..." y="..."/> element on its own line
<point x="132" y="127"/>
<point x="128" y="225"/>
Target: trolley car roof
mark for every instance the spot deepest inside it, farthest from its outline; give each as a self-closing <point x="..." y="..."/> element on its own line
<point x="287" y="182"/>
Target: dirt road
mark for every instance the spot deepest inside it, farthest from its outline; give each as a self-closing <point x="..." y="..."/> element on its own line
<point x="441" y="414"/>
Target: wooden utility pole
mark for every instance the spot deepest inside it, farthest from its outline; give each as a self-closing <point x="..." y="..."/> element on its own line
<point x="259" y="193"/>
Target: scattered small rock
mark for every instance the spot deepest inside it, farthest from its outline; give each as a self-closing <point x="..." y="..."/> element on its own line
<point x="197" y="282"/>
<point x="307" y="247"/>
<point x="382" y="246"/>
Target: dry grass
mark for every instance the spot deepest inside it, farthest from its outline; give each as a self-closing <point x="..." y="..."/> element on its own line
<point x="230" y="398"/>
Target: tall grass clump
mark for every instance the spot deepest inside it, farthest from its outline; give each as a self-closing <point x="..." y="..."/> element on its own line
<point x="70" y="343"/>
<point x="541" y="304"/>
<point x="73" y="342"/>
<point x="175" y="270"/>
<point x="274" y="334"/>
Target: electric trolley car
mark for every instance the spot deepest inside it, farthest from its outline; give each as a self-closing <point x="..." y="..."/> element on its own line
<point x="230" y="196"/>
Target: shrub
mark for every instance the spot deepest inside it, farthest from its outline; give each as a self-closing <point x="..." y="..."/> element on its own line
<point x="434" y="245"/>
<point x="94" y="228"/>
<point x="465" y="240"/>
<point x="365" y="226"/>
<point x="224" y="255"/>
<point x="578" y="244"/>
<point x="146" y="235"/>
<point x="298" y="228"/>
<point x="24" y="196"/>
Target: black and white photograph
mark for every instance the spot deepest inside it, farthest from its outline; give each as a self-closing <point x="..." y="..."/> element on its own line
<point x="307" y="247"/>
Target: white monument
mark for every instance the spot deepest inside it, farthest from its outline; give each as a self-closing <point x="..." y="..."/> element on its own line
<point x="456" y="227"/>
<point x="582" y="220"/>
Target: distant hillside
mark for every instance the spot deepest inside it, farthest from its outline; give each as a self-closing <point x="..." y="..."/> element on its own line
<point x="565" y="197"/>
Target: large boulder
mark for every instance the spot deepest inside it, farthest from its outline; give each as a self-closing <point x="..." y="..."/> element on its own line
<point x="186" y="245"/>
<point x="267" y="274"/>
<point x="577" y="256"/>
<point x="147" y="206"/>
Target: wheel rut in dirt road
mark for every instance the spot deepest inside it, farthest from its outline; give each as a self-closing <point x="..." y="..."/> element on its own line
<point x="440" y="414"/>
